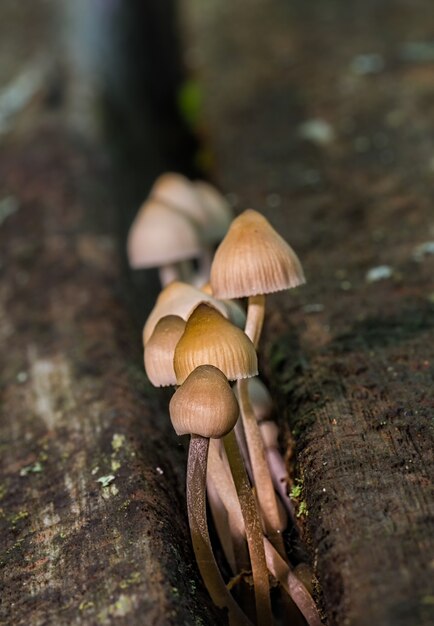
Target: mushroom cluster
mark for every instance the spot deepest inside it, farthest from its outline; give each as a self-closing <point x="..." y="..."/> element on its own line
<point x="199" y="338"/>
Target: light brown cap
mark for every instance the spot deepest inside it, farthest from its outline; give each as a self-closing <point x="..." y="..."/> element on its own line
<point x="160" y="236"/>
<point x="177" y="298"/>
<point x="253" y="259"/>
<point x="211" y="339"/>
<point x="204" y="405"/>
<point x="219" y="214"/>
<point x="160" y="349"/>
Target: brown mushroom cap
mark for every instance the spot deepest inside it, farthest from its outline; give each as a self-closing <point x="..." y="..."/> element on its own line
<point x="160" y="349"/>
<point x="253" y="259"/>
<point x="209" y="338"/>
<point x="204" y="405"/>
<point x="177" y="298"/>
<point x="160" y="236"/>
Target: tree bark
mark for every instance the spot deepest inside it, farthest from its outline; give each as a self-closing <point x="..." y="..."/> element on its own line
<point x="320" y="117"/>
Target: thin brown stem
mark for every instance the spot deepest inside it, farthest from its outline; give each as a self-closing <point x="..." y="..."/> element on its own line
<point x="196" y="506"/>
<point x="255" y="318"/>
<point x="292" y="585"/>
<point x="261" y="473"/>
<point x="253" y="528"/>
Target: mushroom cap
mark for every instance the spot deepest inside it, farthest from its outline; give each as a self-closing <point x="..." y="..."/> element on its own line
<point x="160" y="349"/>
<point x="159" y="236"/>
<point x="210" y="339"/>
<point x="177" y="192"/>
<point x="219" y="214"/>
<point x="253" y="259"/>
<point x="204" y="405"/>
<point x="177" y="298"/>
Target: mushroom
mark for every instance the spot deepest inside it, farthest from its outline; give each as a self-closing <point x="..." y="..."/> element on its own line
<point x="161" y="237"/>
<point x="178" y="298"/>
<point x="203" y="204"/>
<point x="211" y="339"/>
<point x="205" y="406"/>
<point x="159" y="350"/>
<point x="252" y="260"/>
<point x="290" y="582"/>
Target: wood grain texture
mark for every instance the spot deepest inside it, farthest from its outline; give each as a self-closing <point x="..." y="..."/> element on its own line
<point x="350" y="360"/>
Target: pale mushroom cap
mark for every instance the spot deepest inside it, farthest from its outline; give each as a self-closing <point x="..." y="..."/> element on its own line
<point x="179" y="193"/>
<point x="253" y="259"/>
<point x="160" y="349"/>
<point x="211" y="339"/>
<point x="204" y="405"/>
<point x="177" y="298"/>
<point x="160" y="236"/>
<point x="219" y="213"/>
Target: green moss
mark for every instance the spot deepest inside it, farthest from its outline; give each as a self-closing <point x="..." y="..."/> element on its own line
<point x="302" y="509"/>
<point x="190" y="103"/>
<point x="36" y="468"/>
<point x="133" y="579"/>
<point x="19" y="516"/>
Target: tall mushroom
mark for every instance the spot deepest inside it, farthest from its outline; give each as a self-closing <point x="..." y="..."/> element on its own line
<point x="211" y="339"/>
<point x="203" y="407"/>
<point x="251" y="261"/>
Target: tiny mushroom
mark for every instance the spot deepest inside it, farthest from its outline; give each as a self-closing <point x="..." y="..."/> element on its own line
<point x="159" y="350"/>
<point x="251" y="261"/>
<point x="211" y="339"/>
<point x="205" y="406"/>
<point x="178" y="298"/>
<point x="163" y="238"/>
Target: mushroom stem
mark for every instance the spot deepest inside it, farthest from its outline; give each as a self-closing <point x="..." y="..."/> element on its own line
<point x="292" y="585"/>
<point x="168" y="273"/>
<point x="220" y="477"/>
<point x="262" y="478"/>
<point x="253" y="528"/>
<point x="255" y="318"/>
<point x="221" y="520"/>
<point x="196" y="506"/>
<point x="279" y="476"/>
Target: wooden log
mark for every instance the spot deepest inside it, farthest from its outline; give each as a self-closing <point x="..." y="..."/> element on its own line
<point x="320" y="116"/>
<point x="93" y="523"/>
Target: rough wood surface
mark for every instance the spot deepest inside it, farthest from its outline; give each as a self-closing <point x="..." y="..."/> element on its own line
<point x="351" y="360"/>
<point x="93" y="523"/>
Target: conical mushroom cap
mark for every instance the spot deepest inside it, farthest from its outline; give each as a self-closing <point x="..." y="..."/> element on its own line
<point x="159" y="236"/>
<point x="204" y="405"/>
<point x="210" y="339"/>
<point x="253" y="259"/>
<point x="179" y="193"/>
<point x="160" y="349"/>
<point x="177" y="298"/>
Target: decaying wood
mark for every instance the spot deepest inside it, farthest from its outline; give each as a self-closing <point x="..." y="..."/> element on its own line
<point x="93" y="523"/>
<point x="350" y="357"/>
